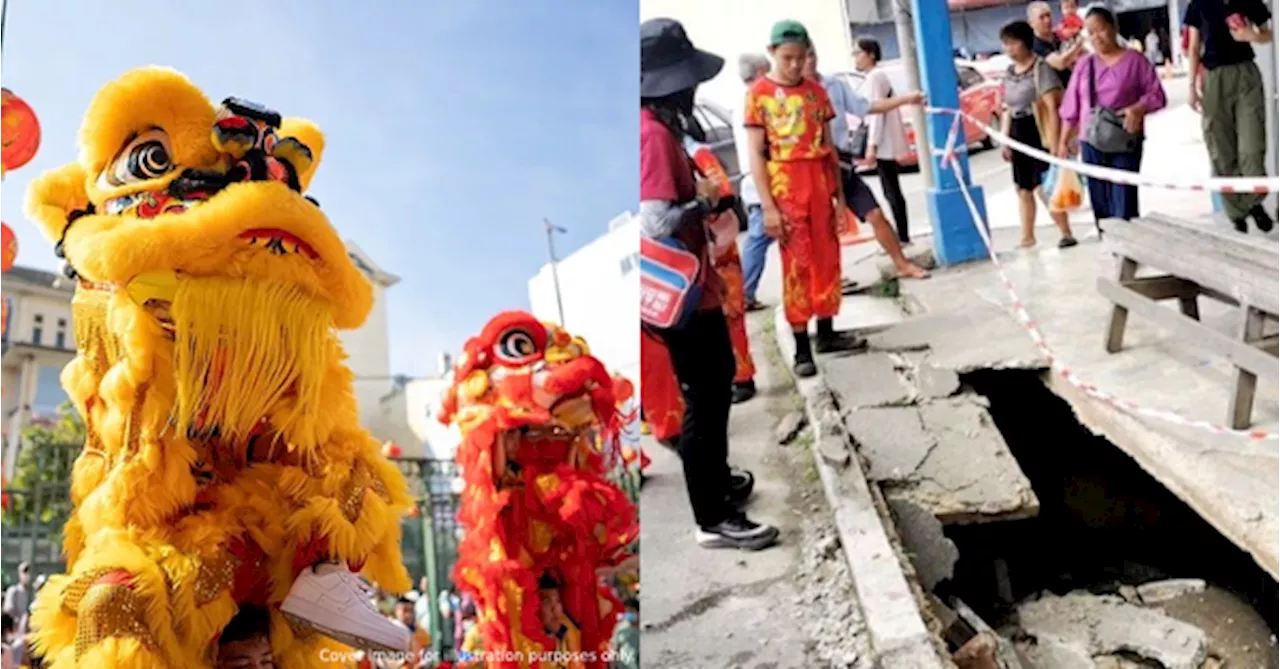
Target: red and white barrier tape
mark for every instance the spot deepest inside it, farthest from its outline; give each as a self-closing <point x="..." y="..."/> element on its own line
<point x="1061" y="368"/>
<point x="1212" y="184"/>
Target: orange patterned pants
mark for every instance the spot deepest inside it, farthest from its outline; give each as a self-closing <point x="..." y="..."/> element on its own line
<point x="660" y="393"/>
<point x="729" y="266"/>
<point x="805" y="192"/>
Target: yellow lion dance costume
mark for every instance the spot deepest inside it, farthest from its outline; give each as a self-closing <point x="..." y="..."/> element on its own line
<point x="224" y="457"/>
<point x="540" y="516"/>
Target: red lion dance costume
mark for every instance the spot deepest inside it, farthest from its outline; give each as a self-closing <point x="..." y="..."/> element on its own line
<point x="539" y="514"/>
<point x="660" y="392"/>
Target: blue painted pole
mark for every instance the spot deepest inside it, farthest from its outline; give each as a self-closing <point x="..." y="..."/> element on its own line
<point x="955" y="238"/>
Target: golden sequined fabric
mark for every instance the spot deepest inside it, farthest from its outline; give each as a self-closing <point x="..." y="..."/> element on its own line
<point x="133" y="428"/>
<point x="74" y="592"/>
<point x="353" y="496"/>
<point x="110" y="611"/>
<point x="214" y="577"/>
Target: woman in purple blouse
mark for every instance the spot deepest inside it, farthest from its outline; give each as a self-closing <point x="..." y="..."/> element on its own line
<point x="1123" y="81"/>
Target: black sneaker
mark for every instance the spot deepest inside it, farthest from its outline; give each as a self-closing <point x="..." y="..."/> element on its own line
<point x="738" y="532"/>
<point x="805" y="368"/>
<point x="743" y="391"/>
<point x="672" y="443"/>
<point x="1261" y="218"/>
<point x="1241" y="225"/>
<point x="840" y="341"/>
<point x="741" y="483"/>
<point x="848" y="287"/>
<point x="1067" y="242"/>
<point x="753" y="304"/>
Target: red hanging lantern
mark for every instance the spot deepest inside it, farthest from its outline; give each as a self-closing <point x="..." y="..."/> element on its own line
<point x="8" y="247"/>
<point x="390" y="450"/>
<point x="21" y="131"/>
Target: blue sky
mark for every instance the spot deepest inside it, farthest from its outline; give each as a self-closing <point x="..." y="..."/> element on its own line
<point x="452" y="127"/>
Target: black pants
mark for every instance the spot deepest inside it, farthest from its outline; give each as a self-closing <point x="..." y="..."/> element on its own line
<point x="702" y="356"/>
<point x="889" y="170"/>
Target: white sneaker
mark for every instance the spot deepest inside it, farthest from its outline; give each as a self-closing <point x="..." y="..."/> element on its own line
<point x="338" y="604"/>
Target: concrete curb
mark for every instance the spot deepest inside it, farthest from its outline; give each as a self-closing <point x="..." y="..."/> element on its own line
<point x="899" y="636"/>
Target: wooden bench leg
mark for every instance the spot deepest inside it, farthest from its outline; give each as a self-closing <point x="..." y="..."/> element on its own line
<point x="1119" y="314"/>
<point x="1240" y="411"/>
<point x="1190" y="307"/>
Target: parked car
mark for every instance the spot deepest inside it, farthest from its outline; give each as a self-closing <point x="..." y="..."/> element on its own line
<point x="980" y="97"/>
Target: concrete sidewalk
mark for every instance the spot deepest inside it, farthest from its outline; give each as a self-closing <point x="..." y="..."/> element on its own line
<point x="788" y="607"/>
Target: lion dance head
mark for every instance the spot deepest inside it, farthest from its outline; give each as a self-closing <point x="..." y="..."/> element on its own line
<point x="540" y="515"/>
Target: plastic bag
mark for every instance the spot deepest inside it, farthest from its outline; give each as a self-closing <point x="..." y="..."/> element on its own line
<point x="1066" y="193"/>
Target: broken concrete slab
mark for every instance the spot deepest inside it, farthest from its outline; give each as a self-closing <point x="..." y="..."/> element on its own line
<point x="932" y="554"/>
<point x="900" y="639"/>
<point x="866" y="380"/>
<point x="983" y="337"/>
<point x="936" y="382"/>
<point x="893" y="440"/>
<point x="946" y="456"/>
<point x="1091" y="626"/>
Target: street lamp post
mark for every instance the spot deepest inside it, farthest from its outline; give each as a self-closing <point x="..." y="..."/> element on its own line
<point x="555" y="275"/>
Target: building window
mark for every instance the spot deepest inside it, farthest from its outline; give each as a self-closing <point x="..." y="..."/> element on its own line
<point x="60" y="335"/>
<point x="630" y="263"/>
<point x="37" y="330"/>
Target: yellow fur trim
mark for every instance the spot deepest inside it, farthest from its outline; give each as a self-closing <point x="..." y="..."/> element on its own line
<point x="140" y="100"/>
<point x="53" y="195"/>
<point x="240" y="347"/>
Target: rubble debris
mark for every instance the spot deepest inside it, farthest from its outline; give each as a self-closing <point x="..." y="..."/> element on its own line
<point x="789" y="427"/>
<point x="1237" y="634"/>
<point x="978" y="653"/>
<point x="1160" y="591"/>
<point x="1006" y="654"/>
<point x="1081" y="626"/>
<point x="932" y="554"/>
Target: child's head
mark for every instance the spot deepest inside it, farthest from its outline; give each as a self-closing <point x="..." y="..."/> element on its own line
<point x="552" y="609"/>
<point x="246" y="642"/>
<point x="789" y="45"/>
<point x="404" y="612"/>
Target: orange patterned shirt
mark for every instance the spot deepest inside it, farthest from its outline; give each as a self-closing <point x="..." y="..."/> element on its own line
<point x="794" y="118"/>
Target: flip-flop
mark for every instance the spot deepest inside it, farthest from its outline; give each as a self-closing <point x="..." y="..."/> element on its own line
<point x="924" y="273"/>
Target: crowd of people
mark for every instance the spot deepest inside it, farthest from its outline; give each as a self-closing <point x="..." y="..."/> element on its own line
<point x="800" y="165"/>
<point x="1078" y="88"/>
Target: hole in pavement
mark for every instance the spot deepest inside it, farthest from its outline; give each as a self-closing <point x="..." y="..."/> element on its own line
<point x="1103" y="521"/>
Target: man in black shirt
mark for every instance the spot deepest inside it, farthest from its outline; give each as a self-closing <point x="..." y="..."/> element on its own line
<point x="1048" y="46"/>
<point x="1221" y="35"/>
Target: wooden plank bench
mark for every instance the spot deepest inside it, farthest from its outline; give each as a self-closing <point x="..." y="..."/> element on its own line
<point x="1231" y="268"/>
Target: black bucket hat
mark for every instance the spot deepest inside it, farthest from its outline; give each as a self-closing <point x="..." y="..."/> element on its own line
<point x="668" y="61"/>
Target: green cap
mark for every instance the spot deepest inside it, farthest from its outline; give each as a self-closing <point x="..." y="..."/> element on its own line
<point x="788" y="30"/>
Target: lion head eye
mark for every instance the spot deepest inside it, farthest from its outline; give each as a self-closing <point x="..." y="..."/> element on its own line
<point x="147" y="156"/>
<point x="517" y="346"/>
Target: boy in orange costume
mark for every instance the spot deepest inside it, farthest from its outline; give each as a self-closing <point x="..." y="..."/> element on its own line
<point x="795" y="167"/>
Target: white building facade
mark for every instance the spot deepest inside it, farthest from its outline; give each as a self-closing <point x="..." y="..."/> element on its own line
<point x="600" y="293"/>
<point x="39" y="340"/>
<point x="368" y="347"/>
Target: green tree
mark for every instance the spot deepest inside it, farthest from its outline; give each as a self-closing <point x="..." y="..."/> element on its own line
<point x="40" y="492"/>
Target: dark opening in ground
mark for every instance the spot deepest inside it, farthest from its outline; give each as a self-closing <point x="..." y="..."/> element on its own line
<point x="1103" y="521"/>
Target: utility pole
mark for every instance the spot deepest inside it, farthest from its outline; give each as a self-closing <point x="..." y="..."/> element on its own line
<point x="907" y="52"/>
<point x="551" y="254"/>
